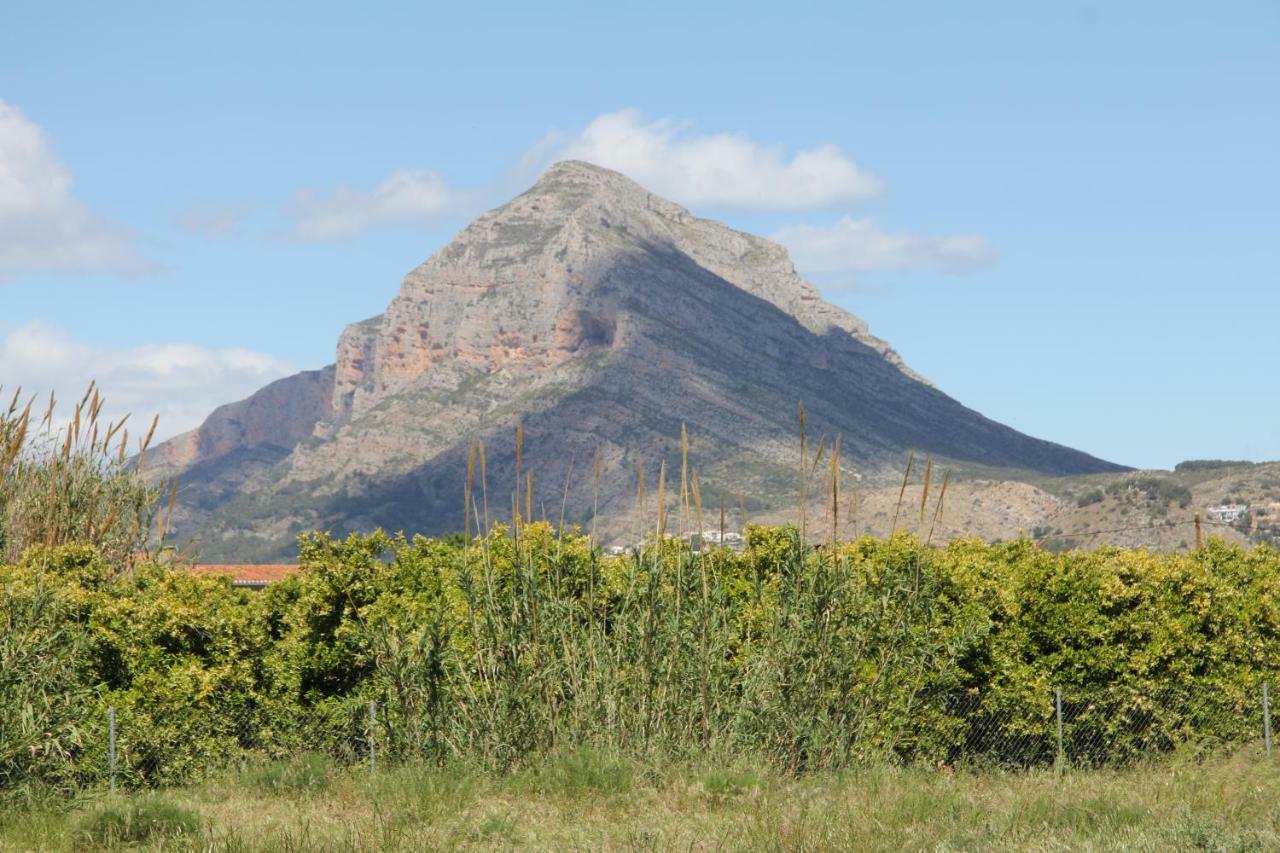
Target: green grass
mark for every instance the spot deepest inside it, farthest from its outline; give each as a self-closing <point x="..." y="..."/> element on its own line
<point x="139" y="819"/>
<point x="587" y="800"/>
<point x="308" y="772"/>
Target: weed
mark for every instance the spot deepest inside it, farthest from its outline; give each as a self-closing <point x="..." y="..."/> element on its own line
<point x="309" y="772"/>
<point x="138" y="820"/>
<point x="729" y="783"/>
<point x="581" y="771"/>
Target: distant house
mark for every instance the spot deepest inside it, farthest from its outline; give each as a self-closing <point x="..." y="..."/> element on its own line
<point x="1227" y="513"/>
<point x="729" y="538"/>
<point x="248" y="575"/>
<point x="695" y="540"/>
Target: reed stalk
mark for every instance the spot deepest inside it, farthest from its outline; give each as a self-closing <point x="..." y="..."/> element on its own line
<point x="937" y="512"/>
<point x="906" y="475"/>
<point x="924" y="492"/>
<point x="69" y="483"/>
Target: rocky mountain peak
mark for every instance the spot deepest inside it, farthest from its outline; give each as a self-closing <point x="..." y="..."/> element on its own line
<point x="578" y="177"/>
<point x="572" y="185"/>
<point x="602" y="317"/>
<point x="536" y="282"/>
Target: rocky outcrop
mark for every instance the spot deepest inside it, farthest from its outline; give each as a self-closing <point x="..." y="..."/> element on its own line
<point x="279" y="416"/>
<point x="602" y="317"/>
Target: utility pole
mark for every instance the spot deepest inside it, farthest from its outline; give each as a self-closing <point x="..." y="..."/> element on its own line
<point x="1199" y="533"/>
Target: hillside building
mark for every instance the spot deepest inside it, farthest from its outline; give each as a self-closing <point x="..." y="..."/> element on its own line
<point x="1227" y="513"/>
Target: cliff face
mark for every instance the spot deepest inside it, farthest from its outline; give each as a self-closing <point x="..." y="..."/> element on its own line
<point x="602" y="317"/>
<point x="279" y="416"/>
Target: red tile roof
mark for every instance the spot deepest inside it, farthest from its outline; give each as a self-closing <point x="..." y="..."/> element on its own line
<point x="248" y="574"/>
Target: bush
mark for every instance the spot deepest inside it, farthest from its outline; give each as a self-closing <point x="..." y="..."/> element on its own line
<point x="1158" y="492"/>
<point x="179" y="657"/>
<point x="48" y="688"/>
<point x="1090" y="498"/>
<point x="1211" y="464"/>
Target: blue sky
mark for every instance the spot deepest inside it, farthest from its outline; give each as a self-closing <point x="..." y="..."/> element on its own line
<point x="1067" y="215"/>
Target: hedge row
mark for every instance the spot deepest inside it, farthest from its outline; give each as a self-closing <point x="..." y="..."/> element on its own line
<point x="502" y="649"/>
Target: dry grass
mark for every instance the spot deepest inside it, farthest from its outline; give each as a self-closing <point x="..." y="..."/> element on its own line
<point x="586" y="801"/>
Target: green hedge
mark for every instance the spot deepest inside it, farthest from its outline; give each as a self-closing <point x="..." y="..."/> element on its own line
<point x="499" y="651"/>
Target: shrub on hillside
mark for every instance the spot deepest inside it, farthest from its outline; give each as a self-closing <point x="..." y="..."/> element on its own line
<point x="1211" y="464"/>
<point x="1157" y="492"/>
<point x="1089" y="498"/>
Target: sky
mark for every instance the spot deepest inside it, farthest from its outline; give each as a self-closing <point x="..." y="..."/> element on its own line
<point x="1066" y="215"/>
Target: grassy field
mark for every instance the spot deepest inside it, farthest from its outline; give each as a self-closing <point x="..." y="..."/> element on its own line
<point x="586" y="801"/>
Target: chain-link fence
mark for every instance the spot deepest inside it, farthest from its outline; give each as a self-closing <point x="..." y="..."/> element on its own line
<point x="1059" y="727"/>
<point x="1105" y="727"/>
<point x="129" y="748"/>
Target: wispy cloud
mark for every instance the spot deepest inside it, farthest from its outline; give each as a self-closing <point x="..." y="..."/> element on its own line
<point x="858" y="245"/>
<point x="214" y="220"/>
<point x="43" y="227"/>
<point x="181" y="382"/>
<point x="706" y="171"/>
<point x="710" y="171"/>
<point x="718" y="171"/>
<point x="404" y="196"/>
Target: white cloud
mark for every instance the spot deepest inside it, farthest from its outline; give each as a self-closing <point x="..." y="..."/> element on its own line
<point x="858" y="245"/>
<point x="404" y="196"/>
<point x="725" y="171"/>
<point x="43" y="228"/>
<point x="182" y="383"/>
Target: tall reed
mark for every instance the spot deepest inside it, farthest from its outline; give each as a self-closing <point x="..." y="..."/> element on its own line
<point x="810" y="657"/>
<point x="75" y="481"/>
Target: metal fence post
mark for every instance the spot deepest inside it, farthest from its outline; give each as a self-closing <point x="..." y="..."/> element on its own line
<point x="1266" y="716"/>
<point x="1057" y="703"/>
<point x="111" y="747"/>
<point x="373" y="746"/>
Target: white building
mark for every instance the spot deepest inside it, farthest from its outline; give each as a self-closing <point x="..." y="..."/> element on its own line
<point x="1227" y="513"/>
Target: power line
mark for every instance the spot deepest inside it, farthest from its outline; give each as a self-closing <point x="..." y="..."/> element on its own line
<point x="1089" y="534"/>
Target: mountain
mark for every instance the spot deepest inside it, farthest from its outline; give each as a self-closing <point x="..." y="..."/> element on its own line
<point x="602" y="318"/>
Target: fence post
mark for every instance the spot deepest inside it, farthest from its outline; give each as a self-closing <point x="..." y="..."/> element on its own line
<point x="1057" y="704"/>
<point x="111" y="747"/>
<point x="1266" y="716"/>
<point x="373" y="746"/>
